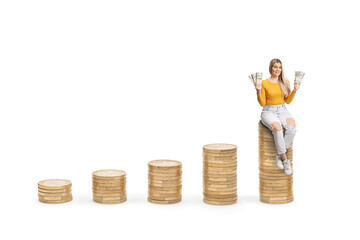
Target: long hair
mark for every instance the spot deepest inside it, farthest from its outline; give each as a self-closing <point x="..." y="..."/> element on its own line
<point x="284" y="83"/>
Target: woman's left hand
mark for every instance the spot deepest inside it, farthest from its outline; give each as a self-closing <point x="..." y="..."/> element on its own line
<point x="296" y="87"/>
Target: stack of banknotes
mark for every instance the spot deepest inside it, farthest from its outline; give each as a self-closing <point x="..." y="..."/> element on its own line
<point x="298" y="77"/>
<point x="256" y="78"/>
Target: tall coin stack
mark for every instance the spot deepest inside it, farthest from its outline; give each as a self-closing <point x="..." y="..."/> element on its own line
<point x="220" y="173"/>
<point x="109" y="186"/>
<point x="275" y="186"/>
<point x="164" y="181"/>
<point x="54" y="191"/>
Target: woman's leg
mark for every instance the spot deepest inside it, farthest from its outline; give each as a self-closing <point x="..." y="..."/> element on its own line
<point x="271" y="121"/>
<point x="288" y="122"/>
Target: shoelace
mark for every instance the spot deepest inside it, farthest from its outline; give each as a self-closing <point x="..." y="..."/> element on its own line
<point x="287" y="164"/>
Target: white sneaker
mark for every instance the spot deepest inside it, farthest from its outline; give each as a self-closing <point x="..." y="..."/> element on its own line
<point x="279" y="162"/>
<point x="287" y="167"/>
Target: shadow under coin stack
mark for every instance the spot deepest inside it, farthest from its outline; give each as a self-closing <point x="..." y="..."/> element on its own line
<point x="275" y="186"/>
<point x="220" y="173"/>
<point x="164" y="181"/>
<point x="54" y="191"/>
<point x="109" y="186"/>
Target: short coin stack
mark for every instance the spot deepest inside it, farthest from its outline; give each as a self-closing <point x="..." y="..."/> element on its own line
<point x="54" y="191"/>
<point x="220" y="173"/>
<point x="164" y="181"/>
<point x="275" y="186"/>
<point x="109" y="186"/>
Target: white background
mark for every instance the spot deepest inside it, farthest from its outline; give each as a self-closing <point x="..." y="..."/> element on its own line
<point x="88" y="85"/>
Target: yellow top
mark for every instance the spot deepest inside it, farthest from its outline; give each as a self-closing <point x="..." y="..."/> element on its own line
<point x="271" y="94"/>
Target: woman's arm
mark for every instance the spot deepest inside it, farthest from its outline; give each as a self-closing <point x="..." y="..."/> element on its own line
<point x="291" y="96"/>
<point x="261" y="96"/>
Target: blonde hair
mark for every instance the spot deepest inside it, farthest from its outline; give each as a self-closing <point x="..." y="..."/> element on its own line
<point x="284" y="83"/>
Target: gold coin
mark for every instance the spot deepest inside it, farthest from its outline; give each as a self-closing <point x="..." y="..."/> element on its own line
<point x="220" y="193"/>
<point x="220" y="171"/>
<point x="219" y="203"/>
<point x="220" y="179"/>
<point x="276" y="201"/>
<point x="222" y="147"/>
<point x="275" y="194"/>
<point x="165" y="174"/>
<point x="164" y="202"/>
<point x="277" y="198"/>
<point x="275" y="191"/>
<point x="207" y="184"/>
<point x="55" y="201"/>
<point x="220" y="183"/>
<point x="221" y="198"/>
<point x="66" y="190"/>
<point x="164" y="198"/>
<point x="207" y="189"/>
<point x="164" y="191"/>
<point x="63" y="199"/>
<point x="223" y="157"/>
<point x="54" y="194"/>
<point x="218" y="175"/>
<point x="274" y="182"/>
<point x="118" y="180"/>
<point x="162" y="195"/>
<point x="109" y="173"/>
<point x="100" y="200"/>
<point x="106" y="195"/>
<point x="165" y="182"/>
<point x="219" y="166"/>
<point x="274" y="186"/>
<point x="165" y="188"/>
<point x="111" y="198"/>
<point x="219" y="157"/>
<point x="219" y="163"/>
<point x="152" y="177"/>
<point x="109" y="188"/>
<point x="164" y="185"/>
<point x="122" y="175"/>
<point x="280" y="175"/>
<point x="54" y="184"/>
<point x="164" y="163"/>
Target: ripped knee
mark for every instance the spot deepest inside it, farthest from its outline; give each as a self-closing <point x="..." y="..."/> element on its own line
<point x="291" y="121"/>
<point x="276" y="126"/>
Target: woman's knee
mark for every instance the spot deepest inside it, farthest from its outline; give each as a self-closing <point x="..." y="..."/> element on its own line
<point x="276" y="126"/>
<point x="291" y="122"/>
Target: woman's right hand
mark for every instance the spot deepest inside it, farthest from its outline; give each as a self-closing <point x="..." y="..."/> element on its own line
<point x="258" y="88"/>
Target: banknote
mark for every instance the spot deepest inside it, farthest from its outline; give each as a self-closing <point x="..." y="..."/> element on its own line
<point x="298" y="77"/>
<point x="259" y="78"/>
<point x="256" y="78"/>
<point x="252" y="80"/>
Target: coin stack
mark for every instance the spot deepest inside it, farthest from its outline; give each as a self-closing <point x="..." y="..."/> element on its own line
<point x="164" y="181"/>
<point x="109" y="186"/>
<point x="275" y="186"/>
<point x="54" y="191"/>
<point x="220" y="173"/>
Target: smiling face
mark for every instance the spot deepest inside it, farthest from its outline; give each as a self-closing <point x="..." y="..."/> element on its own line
<point x="276" y="70"/>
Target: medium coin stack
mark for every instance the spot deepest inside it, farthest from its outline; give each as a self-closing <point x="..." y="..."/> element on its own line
<point x="109" y="186"/>
<point x="275" y="186"/>
<point x="220" y="173"/>
<point x="164" y="181"/>
<point x="54" y="191"/>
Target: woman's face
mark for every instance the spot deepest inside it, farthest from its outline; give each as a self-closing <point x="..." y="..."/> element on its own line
<point x="276" y="69"/>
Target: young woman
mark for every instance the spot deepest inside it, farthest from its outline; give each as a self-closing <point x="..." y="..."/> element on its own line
<point x="272" y="95"/>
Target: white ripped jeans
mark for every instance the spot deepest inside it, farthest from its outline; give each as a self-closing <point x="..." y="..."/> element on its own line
<point x="279" y="113"/>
